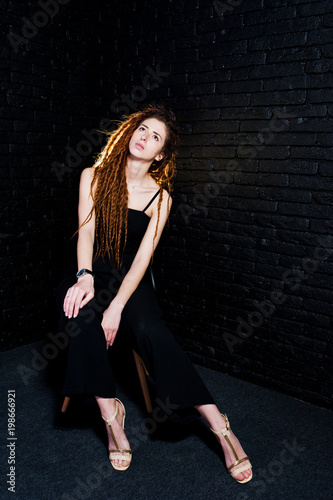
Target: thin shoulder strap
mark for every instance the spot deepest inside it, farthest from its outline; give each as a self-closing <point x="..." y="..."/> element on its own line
<point x="151" y="201"/>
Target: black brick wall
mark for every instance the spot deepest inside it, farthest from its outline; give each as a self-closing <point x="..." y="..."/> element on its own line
<point x="245" y="274"/>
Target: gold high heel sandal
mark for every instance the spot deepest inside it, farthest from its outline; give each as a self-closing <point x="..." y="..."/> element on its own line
<point x="238" y="461"/>
<point x="117" y="454"/>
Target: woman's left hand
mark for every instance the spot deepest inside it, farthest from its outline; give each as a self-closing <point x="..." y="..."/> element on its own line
<point x="110" y="322"/>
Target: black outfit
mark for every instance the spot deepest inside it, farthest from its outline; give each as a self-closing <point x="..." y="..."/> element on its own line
<point x="88" y="365"/>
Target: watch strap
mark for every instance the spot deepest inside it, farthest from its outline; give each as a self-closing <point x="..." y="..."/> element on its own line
<point x="83" y="271"/>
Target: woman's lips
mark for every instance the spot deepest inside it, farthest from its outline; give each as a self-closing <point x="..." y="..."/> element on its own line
<point x="139" y="146"/>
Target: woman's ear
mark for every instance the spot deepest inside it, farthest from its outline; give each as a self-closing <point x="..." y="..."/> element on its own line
<point x="160" y="156"/>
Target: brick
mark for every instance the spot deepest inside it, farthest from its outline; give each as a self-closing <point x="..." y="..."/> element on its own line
<point x="294" y="139"/>
<point x="251" y="59"/>
<point x="324" y="80"/>
<point x="226" y="139"/>
<point x="221" y="48"/>
<point x="325" y="169"/>
<point x="289" y="83"/>
<point x="321" y="66"/>
<point x="278" y="98"/>
<point x="213" y="152"/>
<point x="320" y="95"/>
<point x="192" y="16"/>
<point x="311" y="152"/>
<point x="255" y="206"/>
<point x="292" y="25"/>
<point x="225" y="100"/>
<point x="325" y="139"/>
<point x="209" y="76"/>
<point x="282" y="222"/>
<point x="239" y="87"/>
<point x="311" y="211"/>
<point x="296" y="54"/>
<point x="328" y="21"/>
<point x="323" y="198"/>
<point x="278" y="41"/>
<point x="238" y="191"/>
<point x="311" y="125"/>
<point x="309" y="110"/>
<point x="215" y="126"/>
<point x="242" y="113"/>
<point x="194" y="89"/>
<point x="266" y="15"/>
<point x="312" y="9"/>
<point x="240" y="74"/>
<point x="276" y="70"/>
<point x="204" y="65"/>
<point x="292" y="195"/>
<point x="261" y="179"/>
<point x="251" y="149"/>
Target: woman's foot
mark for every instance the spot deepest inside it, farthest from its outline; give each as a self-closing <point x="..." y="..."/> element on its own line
<point x="113" y="413"/>
<point x="229" y="454"/>
<point x="237" y="462"/>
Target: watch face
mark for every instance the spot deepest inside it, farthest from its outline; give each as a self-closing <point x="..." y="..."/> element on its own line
<point x="80" y="273"/>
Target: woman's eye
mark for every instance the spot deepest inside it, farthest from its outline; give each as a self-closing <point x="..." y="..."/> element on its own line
<point x="156" y="138"/>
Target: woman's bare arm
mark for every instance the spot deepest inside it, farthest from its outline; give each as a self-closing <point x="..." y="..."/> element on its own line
<point x="83" y="291"/>
<point x="112" y="314"/>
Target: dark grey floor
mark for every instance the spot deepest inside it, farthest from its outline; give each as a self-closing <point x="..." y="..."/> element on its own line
<point x="289" y="443"/>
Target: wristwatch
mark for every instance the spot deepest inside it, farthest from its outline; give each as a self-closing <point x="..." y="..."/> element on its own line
<point x="82" y="272"/>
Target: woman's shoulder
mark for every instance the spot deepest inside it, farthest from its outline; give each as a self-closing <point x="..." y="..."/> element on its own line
<point x="166" y="196"/>
<point x="87" y="173"/>
<point x="166" y="201"/>
<point x="87" y="177"/>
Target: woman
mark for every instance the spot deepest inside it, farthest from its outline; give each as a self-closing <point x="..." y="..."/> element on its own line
<point x="123" y="208"/>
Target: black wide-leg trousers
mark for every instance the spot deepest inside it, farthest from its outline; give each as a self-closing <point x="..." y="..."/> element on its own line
<point x="89" y="369"/>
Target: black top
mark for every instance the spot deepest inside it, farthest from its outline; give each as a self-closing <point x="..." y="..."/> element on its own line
<point x="137" y="224"/>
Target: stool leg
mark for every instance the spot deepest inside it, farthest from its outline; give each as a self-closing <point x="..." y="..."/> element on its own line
<point x="142" y="372"/>
<point x="65" y="404"/>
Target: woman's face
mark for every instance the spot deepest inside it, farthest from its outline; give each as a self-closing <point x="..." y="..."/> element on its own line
<point x="148" y="140"/>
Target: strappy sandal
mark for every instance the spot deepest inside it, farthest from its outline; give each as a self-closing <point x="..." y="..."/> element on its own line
<point x="238" y="461"/>
<point x="117" y="454"/>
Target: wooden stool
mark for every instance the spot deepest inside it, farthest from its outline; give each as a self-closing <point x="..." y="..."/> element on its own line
<point x="142" y="372"/>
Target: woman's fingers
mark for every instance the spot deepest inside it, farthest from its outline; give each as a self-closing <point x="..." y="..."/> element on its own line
<point x="74" y="300"/>
<point x="72" y="303"/>
<point x="110" y="323"/>
<point x="110" y="336"/>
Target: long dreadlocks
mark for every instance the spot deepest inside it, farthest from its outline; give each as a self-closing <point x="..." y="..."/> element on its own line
<point x="111" y="196"/>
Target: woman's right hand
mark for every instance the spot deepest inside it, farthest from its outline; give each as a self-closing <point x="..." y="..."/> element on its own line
<point x="78" y="295"/>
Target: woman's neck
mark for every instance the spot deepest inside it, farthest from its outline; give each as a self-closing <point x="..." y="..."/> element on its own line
<point x="137" y="173"/>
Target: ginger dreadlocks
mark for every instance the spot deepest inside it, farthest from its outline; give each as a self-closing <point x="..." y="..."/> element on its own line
<point x="111" y="196"/>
